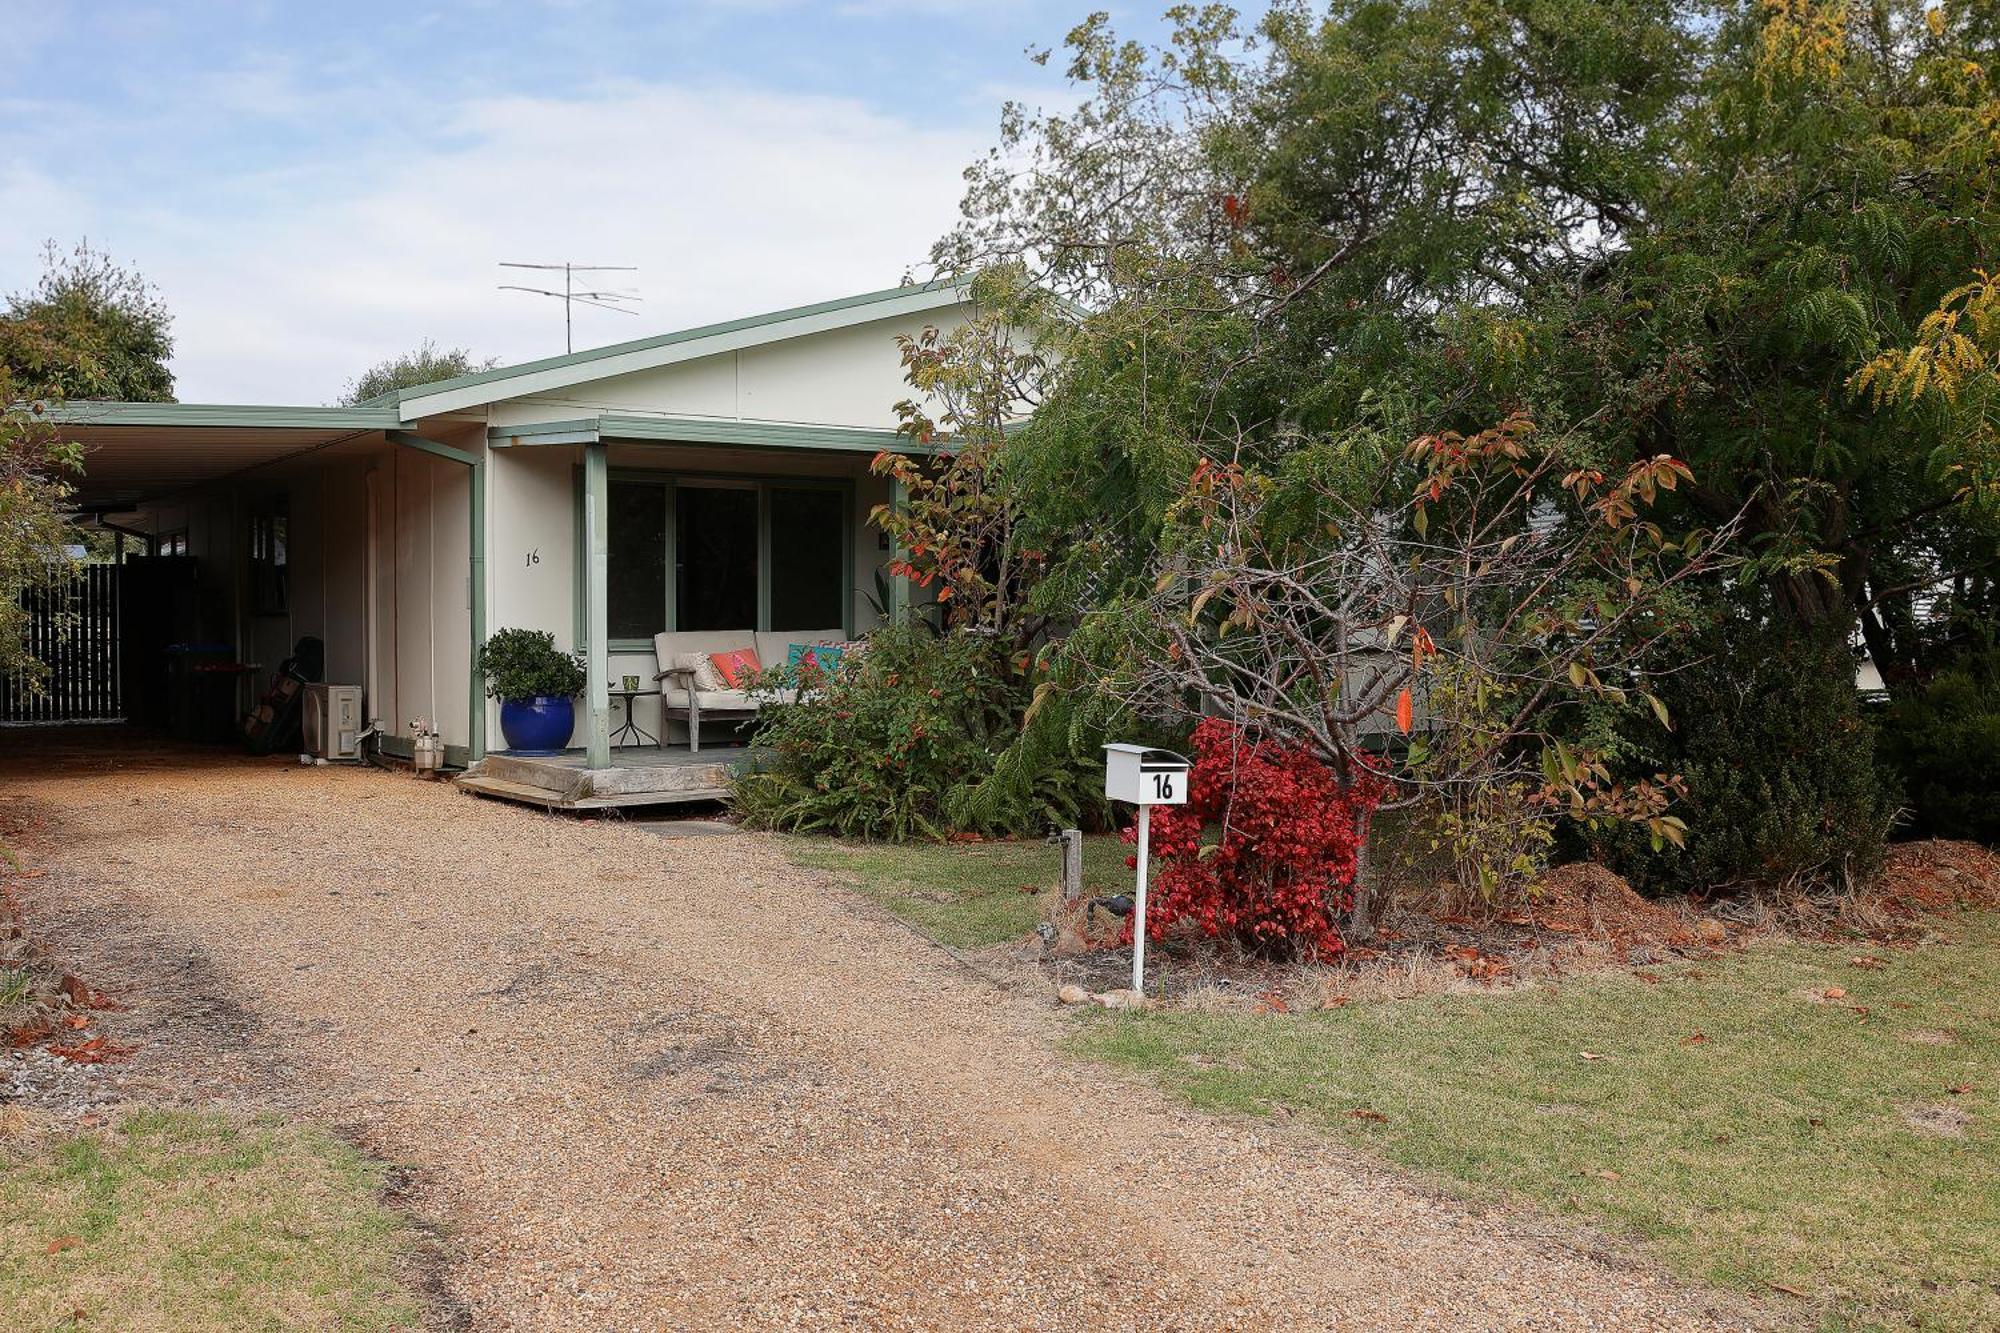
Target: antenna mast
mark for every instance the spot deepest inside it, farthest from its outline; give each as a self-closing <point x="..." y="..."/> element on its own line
<point x="569" y="296"/>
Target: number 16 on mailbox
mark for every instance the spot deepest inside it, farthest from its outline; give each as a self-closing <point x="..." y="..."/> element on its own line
<point x="1145" y="777"/>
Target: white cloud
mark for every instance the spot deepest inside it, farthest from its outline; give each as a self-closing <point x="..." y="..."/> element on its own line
<point x="730" y="200"/>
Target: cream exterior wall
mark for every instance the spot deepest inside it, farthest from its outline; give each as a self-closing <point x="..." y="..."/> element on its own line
<point x="847" y="377"/>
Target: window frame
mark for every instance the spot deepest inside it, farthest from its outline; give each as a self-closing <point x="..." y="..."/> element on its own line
<point x="763" y="483"/>
<point x="269" y="577"/>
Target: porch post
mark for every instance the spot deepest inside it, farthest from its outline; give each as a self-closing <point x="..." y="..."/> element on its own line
<point x="596" y="617"/>
<point x="899" y="587"/>
<point x="475" y="718"/>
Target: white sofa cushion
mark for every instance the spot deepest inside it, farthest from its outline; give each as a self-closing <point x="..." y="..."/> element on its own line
<point x="725" y="700"/>
<point x="666" y="647"/>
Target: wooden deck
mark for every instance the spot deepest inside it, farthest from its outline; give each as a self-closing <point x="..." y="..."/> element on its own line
<point x="639" y="775"/>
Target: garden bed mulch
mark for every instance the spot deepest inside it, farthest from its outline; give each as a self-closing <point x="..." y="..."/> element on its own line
<point x="1923" y="878"/>
<point x="1578" y="918"/>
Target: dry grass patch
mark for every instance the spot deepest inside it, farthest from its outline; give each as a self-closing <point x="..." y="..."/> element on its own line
<point x="175" y="1221"/>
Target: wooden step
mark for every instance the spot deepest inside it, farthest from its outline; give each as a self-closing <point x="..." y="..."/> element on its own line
<point x="526" y="794"/>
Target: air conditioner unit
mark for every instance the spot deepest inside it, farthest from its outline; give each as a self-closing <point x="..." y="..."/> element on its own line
<point x="332" y="722"/>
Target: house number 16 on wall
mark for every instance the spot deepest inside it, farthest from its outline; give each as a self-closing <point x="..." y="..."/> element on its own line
<point x="534" y="557"/>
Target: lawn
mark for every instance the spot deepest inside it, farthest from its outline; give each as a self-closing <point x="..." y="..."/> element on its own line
<point x="967" y="895"/>
<point x="1757" y="1130"/>
<point x="178" y="1221"/>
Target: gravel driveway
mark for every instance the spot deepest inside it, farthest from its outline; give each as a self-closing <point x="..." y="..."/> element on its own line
<point x="646" y="1083"/>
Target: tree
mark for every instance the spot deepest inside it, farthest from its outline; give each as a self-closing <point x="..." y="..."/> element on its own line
<point x="88" y="329"/>
<point x="427" y="365"/>
<point x="1652" y="227"/>
<point x="1296" y="605"/>
<point x="36" y="468"/>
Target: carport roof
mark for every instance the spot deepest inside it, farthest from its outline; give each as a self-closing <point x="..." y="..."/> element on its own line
<point x="140" y="451"/>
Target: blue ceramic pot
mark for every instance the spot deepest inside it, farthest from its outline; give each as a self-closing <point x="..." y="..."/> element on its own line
<point x="540" y="725"/>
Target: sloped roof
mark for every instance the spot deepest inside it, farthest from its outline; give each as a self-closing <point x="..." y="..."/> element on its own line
<point x="557" y="372"/>
<point x="140" y="451"/>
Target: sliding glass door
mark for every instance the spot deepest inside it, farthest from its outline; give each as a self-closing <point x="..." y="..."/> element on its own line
<point x="808" y="566"/>
<point x="716" y="570"/>
<point x="705" y="553"/>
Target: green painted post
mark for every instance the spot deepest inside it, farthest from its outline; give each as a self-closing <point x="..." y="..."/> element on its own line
<point x="597" y="619"/>
<point x="899" y="587"/>
<point x="476" y="719"/>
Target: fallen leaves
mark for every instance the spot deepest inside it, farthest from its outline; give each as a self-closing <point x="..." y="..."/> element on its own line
<point x="1867" y="962"/>
<point x="61" y="1243"/>
<point x="95" y="1051"/>
<point x="1590" y="1055"/>
<point x="27" y="1034"/>
<point x="1363" y="1113"/>
<point x="1476" y="964"/>
<point x="1959" y="1089"/>
<point x="1695" y="1039"/>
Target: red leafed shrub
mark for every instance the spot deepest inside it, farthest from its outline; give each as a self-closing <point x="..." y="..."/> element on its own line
<point x="1263" y="851"/>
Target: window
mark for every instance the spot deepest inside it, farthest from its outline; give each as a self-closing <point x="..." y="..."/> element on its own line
<point x="636" y="539"/>
<point x="808" y="528"/>
<point x="715" y="557"/>
<point x="267" y="562"/>
<point x="698" y="553"/>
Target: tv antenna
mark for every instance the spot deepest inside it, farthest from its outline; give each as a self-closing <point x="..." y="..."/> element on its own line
<point x="570" y="296"/>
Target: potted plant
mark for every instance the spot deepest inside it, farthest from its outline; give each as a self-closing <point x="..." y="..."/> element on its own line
<point x="537" y="687"/>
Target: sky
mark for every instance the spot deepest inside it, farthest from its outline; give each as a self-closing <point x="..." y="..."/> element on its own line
<point x="316" y="187"/>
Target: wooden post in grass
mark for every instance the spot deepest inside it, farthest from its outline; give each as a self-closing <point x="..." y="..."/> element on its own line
<point x="1072" y="872"/>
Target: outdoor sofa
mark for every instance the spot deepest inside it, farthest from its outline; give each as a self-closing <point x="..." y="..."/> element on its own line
<point x="682" y="700"/>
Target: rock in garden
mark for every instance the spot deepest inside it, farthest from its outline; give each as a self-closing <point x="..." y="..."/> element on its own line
<point x="1120" y="999"/>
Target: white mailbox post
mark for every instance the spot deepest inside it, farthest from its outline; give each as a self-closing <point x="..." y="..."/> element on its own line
<point x="1145" y="777"/>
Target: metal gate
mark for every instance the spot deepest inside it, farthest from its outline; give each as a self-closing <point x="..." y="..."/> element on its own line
<point x="72" y="629"/>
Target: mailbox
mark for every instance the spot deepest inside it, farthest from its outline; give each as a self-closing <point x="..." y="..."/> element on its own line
<point x="1144" y="775"/>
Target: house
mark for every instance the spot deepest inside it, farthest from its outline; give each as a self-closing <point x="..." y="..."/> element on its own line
<point x="714" y="478"/>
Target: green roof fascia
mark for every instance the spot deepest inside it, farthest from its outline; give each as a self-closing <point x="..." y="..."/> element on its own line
<point x="756" y="434"/>
<point x="614" y="428"/>
<point x="948" y="289"/>
<point x="84" y="412"/>
<point x="583" y="430"/>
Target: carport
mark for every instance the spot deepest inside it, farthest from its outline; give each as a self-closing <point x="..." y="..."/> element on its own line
<point x="241" y="529"/>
